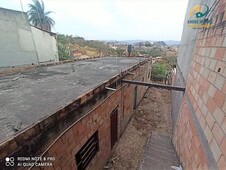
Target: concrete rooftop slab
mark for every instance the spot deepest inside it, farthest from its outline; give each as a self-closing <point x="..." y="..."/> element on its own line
<point x="26" y="98"/>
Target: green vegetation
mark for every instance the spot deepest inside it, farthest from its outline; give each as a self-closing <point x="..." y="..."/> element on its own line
<point x="159" y="71"/>
<point x="134" y="53"/>
<point x="64" y="53"/>
<point x="119" y="51"/>
<point x="155" y="52"/>
<point x="39" y="17"/>
<point x="170" y="61"/>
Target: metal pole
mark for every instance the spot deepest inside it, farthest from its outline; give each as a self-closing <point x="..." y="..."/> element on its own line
<point x="154" y="85"/>
<point x="21" y="6"/>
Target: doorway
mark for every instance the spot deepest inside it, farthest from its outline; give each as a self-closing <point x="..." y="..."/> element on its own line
<point x="114" y="127"/>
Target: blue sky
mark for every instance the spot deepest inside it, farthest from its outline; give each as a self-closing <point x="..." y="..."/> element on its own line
<point x="114" y="19"/>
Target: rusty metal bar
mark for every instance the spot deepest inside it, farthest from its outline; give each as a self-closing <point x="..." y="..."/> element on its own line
<point x="108" y="88"/>
<point x="154" y="85"/>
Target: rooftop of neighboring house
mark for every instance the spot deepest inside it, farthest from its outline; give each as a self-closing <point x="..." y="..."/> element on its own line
<point x="26" y="98"/>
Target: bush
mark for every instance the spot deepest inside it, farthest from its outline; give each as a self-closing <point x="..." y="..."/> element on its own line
<point x="64" y="53"/>
<point x="159" y="71"/>
<point x="171" y="61"/>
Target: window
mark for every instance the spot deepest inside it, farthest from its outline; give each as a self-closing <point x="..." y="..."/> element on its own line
<point x="87" y="152"/>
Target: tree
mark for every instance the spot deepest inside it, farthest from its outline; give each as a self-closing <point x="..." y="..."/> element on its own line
<point x="39" y="17"/>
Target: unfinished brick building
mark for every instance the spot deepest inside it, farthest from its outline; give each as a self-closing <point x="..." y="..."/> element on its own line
<point x="73" y="113"/>
<point x="96" y="105"/>
<point x="200" y="113"/>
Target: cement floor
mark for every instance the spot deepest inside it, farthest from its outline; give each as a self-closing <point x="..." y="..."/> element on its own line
<point x="26" y="98"/>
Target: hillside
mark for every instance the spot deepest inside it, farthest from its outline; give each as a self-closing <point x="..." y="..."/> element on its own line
<point x="74" y="46"/>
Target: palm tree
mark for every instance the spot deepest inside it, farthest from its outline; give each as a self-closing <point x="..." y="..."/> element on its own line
<point x="39" y="17"/>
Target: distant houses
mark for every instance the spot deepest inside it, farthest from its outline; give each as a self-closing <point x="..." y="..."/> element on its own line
<point x="23" y="44"/>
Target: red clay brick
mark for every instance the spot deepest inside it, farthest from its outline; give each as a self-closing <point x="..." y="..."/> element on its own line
<point x="215" y="149"/>
<point x="212" y="89"/>
<point x="67" y="135"/>
<point x="218" y="133"/>
<point x="219" y="98"/>
<point x="219" y="81"/>
<point x="213" y="52"/>
<point x="201" y="91"/>
<point x="208" y="134"/>
<point x="224" y="107"/>
<point x="211" y="105"/>
<point x="213" y="63"/>
<point x="218" y="115"/>
<point x="61" y="150"/>
<point x="224" y="88"/>
<point x="220" y="39"/>
<point x="205" y="97"/>
<point x="95" y="116"/>
<point x="223" y="125"/>
<point x="206" y="85"/>
<point x="212" y="76"/>
<point x="220" y="53"/>
<point x="223" y="146"/>
<point x="197" y="141"/>
<point x="221" y="8"/>
<point x="210" y="120"/>
<point x="221" y="163"/>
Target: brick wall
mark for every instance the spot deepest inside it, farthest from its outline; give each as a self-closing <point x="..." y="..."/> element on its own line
<point x="187" y="142"/>
<point x="201" y="124"/>
<point x="63" y="133"/>
<point x="72" y="140"/>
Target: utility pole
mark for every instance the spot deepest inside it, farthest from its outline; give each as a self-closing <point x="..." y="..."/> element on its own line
<point x="21" y="6"/>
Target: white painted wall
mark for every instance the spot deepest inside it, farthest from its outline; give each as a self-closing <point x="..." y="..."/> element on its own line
<point x="16" y="39"/>
<point x="46" y="45"/>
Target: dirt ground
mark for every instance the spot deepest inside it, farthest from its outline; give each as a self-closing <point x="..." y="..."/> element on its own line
<point x="153" y="114"/>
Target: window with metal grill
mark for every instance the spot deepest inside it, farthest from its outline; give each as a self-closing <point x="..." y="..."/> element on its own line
<point x="87" y="152"/>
